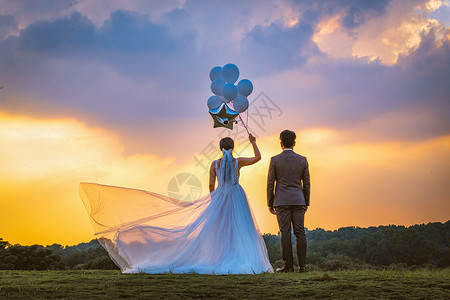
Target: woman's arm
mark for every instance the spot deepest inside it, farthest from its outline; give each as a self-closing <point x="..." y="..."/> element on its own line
<point x="212" y="177"/>
<point x="247" y="161"/>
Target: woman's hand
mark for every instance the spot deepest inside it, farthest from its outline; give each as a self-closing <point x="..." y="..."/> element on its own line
<point x="247" y="161"/>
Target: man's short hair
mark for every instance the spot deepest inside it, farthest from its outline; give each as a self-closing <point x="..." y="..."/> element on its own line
<point x="287" y="138"/>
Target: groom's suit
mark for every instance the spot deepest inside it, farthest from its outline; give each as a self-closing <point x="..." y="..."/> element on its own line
<point x="288" y="190"/>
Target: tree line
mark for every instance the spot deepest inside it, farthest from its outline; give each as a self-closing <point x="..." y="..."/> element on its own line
<point x="55" y="257"/>
<point x="425" y="245"/>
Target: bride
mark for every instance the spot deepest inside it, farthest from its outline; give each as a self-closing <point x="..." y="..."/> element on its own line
<point x="151" y="233"/>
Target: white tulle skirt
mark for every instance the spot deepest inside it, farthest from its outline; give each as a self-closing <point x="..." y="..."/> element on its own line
<point x="151" y="233"/>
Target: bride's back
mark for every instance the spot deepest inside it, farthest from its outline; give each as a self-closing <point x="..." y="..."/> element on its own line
<point x="227" y="170"/>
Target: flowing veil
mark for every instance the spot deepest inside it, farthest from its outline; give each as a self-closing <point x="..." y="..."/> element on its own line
<point x="147" y="232"/>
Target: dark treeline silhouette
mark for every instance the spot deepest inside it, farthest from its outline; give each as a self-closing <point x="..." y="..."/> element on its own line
<point x="354" y="248"/>
<point x="425" y="245"/>
<point x="54" y="257"/>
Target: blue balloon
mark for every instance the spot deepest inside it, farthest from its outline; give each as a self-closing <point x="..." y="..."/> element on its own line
<point x="245" y="87"/>
<point x="215" y="73"/>
<point x="240" y="104"/>
<point x="214" y="102"/>
<point x="229" y="92"/>
<point x="230" y="73"/>
<point x="217" y="86"/>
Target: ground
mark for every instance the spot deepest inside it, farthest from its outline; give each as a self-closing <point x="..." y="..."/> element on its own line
<point x="362" y="284"/>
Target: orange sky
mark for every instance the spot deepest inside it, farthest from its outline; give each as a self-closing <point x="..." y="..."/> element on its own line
<point x="353" y="183"/>
<point x="120" y="99"/>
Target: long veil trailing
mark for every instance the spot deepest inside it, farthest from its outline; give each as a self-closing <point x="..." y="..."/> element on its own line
<point x="148" y="232"/>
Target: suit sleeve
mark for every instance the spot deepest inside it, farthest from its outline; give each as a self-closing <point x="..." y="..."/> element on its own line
<point x="306" y="183"/>
<point x="271" y="182"/>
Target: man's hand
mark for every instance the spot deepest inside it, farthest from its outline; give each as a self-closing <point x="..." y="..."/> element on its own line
<point x="306" y="208"/>
<point x="272" y="210"/>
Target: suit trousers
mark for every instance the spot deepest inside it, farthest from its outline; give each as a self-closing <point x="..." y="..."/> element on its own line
<point x="295" y="215"/>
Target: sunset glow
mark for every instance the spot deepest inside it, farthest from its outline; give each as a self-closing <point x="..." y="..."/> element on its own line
<point x="120" y="99"/>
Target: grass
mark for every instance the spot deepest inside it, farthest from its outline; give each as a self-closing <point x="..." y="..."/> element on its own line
<point x="362" y="284"/>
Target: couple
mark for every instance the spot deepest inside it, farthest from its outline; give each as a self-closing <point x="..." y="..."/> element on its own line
<point x="217" y="234"/>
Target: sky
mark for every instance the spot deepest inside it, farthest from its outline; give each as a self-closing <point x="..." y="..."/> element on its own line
<point x="115" y="92"/>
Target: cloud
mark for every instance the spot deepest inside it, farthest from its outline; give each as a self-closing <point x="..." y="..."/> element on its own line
<point x="99" y="11"/>
<point x="381" y="37"/>
<point x="116" y="93"/>
<point x="410" y="97"/>
<point x="357" y="11"/>
<point x="145" y="74"/>
<point x="45" y="159"/>
<point x="84" y="67"/>
<point x="7" y="25"/>
<point x="27" y="12"/>
<point x="275" y="47"/>
<point x="123" y="32"/>
<point x="442" y="13"/>
<point x="69" y="34"/>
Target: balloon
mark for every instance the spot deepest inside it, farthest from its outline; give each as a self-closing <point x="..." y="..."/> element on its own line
<point x="245" y="87"/>
<point x="223" y="116"/>
<point x="229" y="92"/>
<point x="230" y="73"/>
<point x="217" y="86"/>
<point x="240" y="103"/>
<point x="214" y="102"/>
<point x="215" y="73"/>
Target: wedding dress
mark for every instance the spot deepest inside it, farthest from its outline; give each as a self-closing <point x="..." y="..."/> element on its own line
<point x="151" y="233"/>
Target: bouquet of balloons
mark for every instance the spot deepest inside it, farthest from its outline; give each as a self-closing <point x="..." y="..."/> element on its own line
<point x="229" y="100"/>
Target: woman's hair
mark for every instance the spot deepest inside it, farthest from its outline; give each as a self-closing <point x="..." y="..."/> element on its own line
<point x="226" y="143"/>
<point x="287" y="138"/>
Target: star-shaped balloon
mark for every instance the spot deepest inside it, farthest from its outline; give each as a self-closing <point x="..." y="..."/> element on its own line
<point x="223" y="116"/>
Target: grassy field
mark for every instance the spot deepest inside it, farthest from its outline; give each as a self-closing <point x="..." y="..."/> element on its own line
<point x="365" y="284"/>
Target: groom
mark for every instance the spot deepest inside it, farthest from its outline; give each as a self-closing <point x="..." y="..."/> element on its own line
<point x="289" y="175"/>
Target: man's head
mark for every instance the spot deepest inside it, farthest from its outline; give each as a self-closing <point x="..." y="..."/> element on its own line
<point x="226" y="143"/>
<point x="287" y="138"/>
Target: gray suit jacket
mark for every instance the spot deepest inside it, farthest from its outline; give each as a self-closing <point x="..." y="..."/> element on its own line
<point x="287" y="172"/>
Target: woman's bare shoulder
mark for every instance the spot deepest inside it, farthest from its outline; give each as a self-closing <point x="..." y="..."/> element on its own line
<point x="215" y="163"/>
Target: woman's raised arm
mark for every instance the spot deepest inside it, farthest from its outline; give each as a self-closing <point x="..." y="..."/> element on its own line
<point x="247" y="161"/>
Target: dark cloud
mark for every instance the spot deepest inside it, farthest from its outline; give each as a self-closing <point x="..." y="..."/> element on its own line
<point x="65" y="66"/>
<point x="133" y="72"/>
<point x="357" y="11"/>
<point x="42" y="6"/>
<point x="7" y="21"/>
<point x="354" y="12"/>
<point x="128" y="32"/>
<point x="26" y="12"/>
<point x="352" y="94"/>
<point x="276" y="47"/>
<point x="428" y="67"/>
<point x="69" y="34"/>
<point x="7" y="24"/>
<point x="124" y="32"/>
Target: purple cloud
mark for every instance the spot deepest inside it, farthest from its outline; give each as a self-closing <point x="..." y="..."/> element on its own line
<point x="135" y="71"/>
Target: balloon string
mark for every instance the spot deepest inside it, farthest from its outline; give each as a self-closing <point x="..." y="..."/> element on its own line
<point x="247" y="114"/>
<point x="241" y="118"/>
<point x="244" y="123"/>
